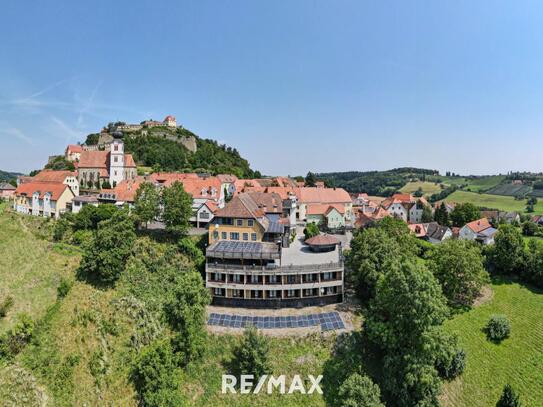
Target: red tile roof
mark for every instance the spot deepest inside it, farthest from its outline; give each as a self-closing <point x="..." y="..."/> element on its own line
<point x="54" y="188"/>
<point x="53" y="176"/>
<point x="322" y="240"/>
<point x="74" y="148"/>
<point x="322" y="195"/>
<point x="94" y="159"/>
<point x="323" y="209"/>
<point x="479" y="225"/>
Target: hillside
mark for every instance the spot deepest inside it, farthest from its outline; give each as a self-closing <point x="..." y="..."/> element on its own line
<point x="6" y="176"/>
<point x="178" y="149"/>
<point x="376" y="182"/>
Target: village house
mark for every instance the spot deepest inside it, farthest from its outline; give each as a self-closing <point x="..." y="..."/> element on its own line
<point x="59" y="176"/>
<point x="79" y="202"/>
<point x="7" y="191"/>
<point x="479" y="230"/>
<point x="124" y="193"/>
<point x="365" y="218"/>
<point x="47" y="199"/>
<point x="96" y="167"/>
<point x="330" y="216"/>
<point x="73" y="152"/>
<point x="432" y="232"/>
<point x="337" y="197"/>
<point x="495" y="216"/>
<point x="405" y="207"/>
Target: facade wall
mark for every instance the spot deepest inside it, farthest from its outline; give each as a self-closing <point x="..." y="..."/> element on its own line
<point x="216" y="231"/>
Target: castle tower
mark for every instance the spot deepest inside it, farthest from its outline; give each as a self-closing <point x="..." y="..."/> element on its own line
<point x="116" y="162"/>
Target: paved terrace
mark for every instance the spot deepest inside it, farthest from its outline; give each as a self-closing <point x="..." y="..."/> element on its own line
<point x="299" y="254"/>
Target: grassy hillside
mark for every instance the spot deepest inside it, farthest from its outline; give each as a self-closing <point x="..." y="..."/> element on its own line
<point x="518" y="360"/>
<point x="30" y="267"/>
<point x="474" y="184"/>
<point x="505" y="203"/>
<point x="428" y="188"/>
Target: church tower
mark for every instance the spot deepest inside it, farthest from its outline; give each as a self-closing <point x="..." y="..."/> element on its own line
<point x="116" y="162"/>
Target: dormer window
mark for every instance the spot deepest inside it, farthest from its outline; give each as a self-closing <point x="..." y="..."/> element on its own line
<point x="204" y="192"/>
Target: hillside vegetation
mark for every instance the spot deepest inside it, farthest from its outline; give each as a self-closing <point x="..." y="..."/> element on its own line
<point x="162" y="149"/>
<point x="6" y="176"/>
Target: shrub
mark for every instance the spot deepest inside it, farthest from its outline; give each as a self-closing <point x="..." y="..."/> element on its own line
<point x="252" y="353"/>
<point x="529" y="228"/>
<point x="508" y="398"/>
<point x="64" y="287"/>
<point x="6" y="306"/>
<point x="156" y="376"/>
<point x="453" y="366"/>
<point x="13" y="341"/>
<point x="498" y="328"/>
<point x="359" y="390"/>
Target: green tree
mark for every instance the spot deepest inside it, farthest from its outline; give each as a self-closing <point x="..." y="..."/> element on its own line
<point x="427" y="215"/>
<point x="459" y="268"/>
<point x="177" y="208"/>
<point x="310" y="179"/>
<point x="404" y="320"/>
<point x="398" y="230"/>
<point x="508" y="398"/>
<point x="533" y="272"/>
<point x="311" y="229"/>
<point x="372" y="251"/>
<point x="507" y="254"/>
<point x="252" y="353"/>
<point x="529" y="228"/>
<point x="105" y="257"/>
<point x="441" y="215"/>
<point x="186" y="311"/>
<point x="464" y="213"/>
<point x="156" y="376"/>
<point x="359" y="390"/>
<point x="146" y="203"/>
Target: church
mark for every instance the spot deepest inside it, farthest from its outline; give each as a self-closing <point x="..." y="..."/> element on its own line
<point x="112" y="166"/>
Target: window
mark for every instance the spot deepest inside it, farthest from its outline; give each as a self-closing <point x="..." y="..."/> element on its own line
<point x="308" y="292"/>
<point x="246" y="236"/>
<point x="237" y="293"/>
<point x="327" y="276"/>
<point x="236" y="278"/>
<point x="115" y="159"/>
<point x="223" y="235"/>
<point x="250" y="222"/>
<point x="291" y="293"/>
<point x="272" y="294"/>
<point x="256" y="294"/>
<point x="228" y="221"/>
<point x="273" y="279"/>
<point x="239" y="222"/>
<point x="217" y="277"/>
<point x="253" y="237"/>
<point x="116" y="147"/>
<point x="254" y="279"/>
<point x="291" y="279"/>
<point x="204" y="215"/>
<point x="234" y="236"/>
<point x="218" y="292"/>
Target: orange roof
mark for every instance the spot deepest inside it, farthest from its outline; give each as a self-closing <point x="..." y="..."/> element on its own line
<point x="94" y="159"/>
<point x="283" y="192"/>
<point x="322" y="195"/>
<point x="322" y="240"/>
<point x="227" y="178"/>
<point x="74" y="148"/>
<point x="419" y="229"/>
<point x="323" y="209"/>
<point x="54" y="188"/>
<point x="169" y="117"/>
<point x="125" y="190"/>
<point x="168" y="178"/>
<point x="479" y="225"/>
<point x="129" y="161"/>
<point x="53" y="176"/>
<point x="364" y="218"/>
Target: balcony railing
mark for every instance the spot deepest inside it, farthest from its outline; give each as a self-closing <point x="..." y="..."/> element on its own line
<point x="277" y="269"/>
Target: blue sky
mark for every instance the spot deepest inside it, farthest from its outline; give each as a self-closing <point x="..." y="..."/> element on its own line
<point x="294" y="85"/>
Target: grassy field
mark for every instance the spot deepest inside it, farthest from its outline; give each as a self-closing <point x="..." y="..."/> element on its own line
<point x="518" y="360"/>
<point x="475" y="184"/>
<point x="30" y="267"/>
<point x="504" y="203"/>
<point x="428" y="188"/>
